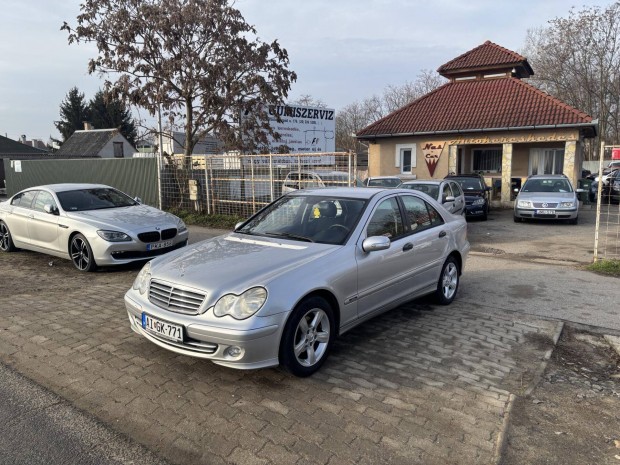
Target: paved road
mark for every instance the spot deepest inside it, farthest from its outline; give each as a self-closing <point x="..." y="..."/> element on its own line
<point x="421" y="384"/>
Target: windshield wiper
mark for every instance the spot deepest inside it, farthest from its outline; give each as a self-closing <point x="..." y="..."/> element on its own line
<point x="290" y="236"/>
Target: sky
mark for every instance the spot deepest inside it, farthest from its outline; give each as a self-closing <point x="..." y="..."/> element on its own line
<point x="343" y="51"/>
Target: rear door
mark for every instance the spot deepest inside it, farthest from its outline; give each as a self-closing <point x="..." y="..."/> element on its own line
<point x="459" y="198"/>
<point x="21" y="212"/>
<point x="43" y="226"/>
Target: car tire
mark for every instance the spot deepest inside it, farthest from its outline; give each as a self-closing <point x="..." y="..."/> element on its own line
<point x="448" y="282"/>
<point x="308" y="337"/>
<point x="517" y="219"/>
<point x="81" y="254"/>
<point x="574" y="220"/>
<point x="485" y="216"/>
<point x="6" y="240"/>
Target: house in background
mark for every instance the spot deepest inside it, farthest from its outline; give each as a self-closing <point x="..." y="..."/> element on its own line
<point x="102" y="143"/>
<point x="485" y="120"/>
<point x="14" y="150"/>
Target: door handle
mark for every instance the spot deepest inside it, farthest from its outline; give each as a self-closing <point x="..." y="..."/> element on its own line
<point x="407" y="246"/>
<point x="442" y="234"/>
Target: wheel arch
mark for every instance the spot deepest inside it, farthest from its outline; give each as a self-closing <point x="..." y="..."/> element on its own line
<point x="459" y="260"/>
<point x="329" y="297"/>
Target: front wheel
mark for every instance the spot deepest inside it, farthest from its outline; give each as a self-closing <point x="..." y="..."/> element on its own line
<point x="81" y="254"/>
<point x="6" y="241"/>
<point x="448" y="282"/>
<point x="308" y="336"/>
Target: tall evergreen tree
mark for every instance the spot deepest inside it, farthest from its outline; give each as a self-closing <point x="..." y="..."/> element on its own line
<point x="73" y="112"/>
<point x="107" y="112"/>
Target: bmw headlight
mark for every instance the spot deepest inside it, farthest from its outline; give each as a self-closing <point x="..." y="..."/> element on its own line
<point x="480" y="201"/>
<point x="524" y="204"/>
<point x="181" y="225"/>
<point x="141" y="283"/>
<point x="241" y="306"/>
<point x="113" y="236"/>
<point x="567" y="204"/>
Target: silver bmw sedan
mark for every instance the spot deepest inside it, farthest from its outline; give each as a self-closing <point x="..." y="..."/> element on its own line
<point x="305" y="269"/>
<point x="90" y="224"/>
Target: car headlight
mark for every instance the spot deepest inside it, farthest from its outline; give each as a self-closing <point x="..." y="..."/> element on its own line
<point x="524" y="204"/>
<point x="567" y="204"/>
<point x="113" y="236"/>
<point x="480" y="201"/>
<point x="181" y="225"/>
<point x="141" y="283"/>
<point x="241" y="306"/>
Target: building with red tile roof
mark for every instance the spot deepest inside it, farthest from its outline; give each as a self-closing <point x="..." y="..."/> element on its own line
<point x="487" y="120"/>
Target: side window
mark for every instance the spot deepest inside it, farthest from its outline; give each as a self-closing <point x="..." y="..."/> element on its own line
<point x="447" y="192"/>
<point x="25" y="199"/>
<point x="420" y="214"/>
<point x="456" y="189"/>
<point x="386" y="220"/>
<point x="44" y="198"/>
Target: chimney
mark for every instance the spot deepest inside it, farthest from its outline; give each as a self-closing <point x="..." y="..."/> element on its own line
<point x="88" y="126"/>
<point x="22" y="138"/>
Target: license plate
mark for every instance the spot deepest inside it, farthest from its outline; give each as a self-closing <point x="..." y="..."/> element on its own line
<point x="158" y="245"/>
<point x="162" y="328"/>
<point x="545" y="212"/>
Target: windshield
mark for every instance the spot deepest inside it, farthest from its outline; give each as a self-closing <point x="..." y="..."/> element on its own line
<point x="547" y="185"/>
<point x="311" y="218"/>
<point x="93" y="199"/>
<point x="430" y="189"/>
<point x="470" y="184"/>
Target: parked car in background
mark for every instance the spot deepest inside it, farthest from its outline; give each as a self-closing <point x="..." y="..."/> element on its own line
<point x="610" y="189"/>
<point x="307" y="179"/>
<point x="308" y="267"/>
<point x="477" y="202"/>
<point x="89" y="224"/>
<point x="547" y="197"/>
<point x="446" y="192"/>
<point x="383" y="181"/>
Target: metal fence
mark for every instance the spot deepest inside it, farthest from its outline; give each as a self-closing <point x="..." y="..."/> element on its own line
<point x="607" y="231"/>
<point x="241" y="185"/>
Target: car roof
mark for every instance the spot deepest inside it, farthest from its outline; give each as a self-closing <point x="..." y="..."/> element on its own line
<point x="472" y="175"/>
<point x="68" y="186"/>
<point x="383" y="177"/>
<point x="547" y="176"/>
<point x="421" y="181"/>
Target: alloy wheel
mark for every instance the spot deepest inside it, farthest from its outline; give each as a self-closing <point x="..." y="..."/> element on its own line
<point x="311" y="337"/>
<point x="80" y="253"/>
<point x="449" y="280"/>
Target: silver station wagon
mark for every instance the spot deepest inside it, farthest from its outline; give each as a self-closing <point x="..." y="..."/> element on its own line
<point x="305" y="269"/>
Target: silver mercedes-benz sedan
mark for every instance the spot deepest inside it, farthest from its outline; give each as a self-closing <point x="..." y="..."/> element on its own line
<point x="90" y="224"/>
<point x="305" y="269"/>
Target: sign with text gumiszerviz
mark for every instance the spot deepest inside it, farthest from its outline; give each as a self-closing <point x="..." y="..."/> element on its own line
<point x="303" y="129"/>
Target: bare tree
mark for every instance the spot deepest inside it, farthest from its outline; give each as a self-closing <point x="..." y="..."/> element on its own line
<point x="577" y="59"/>
<point x="358" y="115"/>
<point x="196" y="61"/>
<point x="308" y="100"/>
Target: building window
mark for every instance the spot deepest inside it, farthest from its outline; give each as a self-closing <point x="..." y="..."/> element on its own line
<point x="118" y="150"/>
<point x="487" y="160"/>
<point x="405" y="158"/>
<point x="546" y="161"/>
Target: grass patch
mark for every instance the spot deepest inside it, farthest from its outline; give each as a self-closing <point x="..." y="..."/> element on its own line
<point x="606" y="267"/>
<point x="208" y="221"/>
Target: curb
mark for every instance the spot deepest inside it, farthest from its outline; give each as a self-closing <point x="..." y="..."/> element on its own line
<point x="502" y="437"/>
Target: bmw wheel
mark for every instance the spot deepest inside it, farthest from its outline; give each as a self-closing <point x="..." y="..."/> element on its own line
<point x="6" y="241"/>
<point x="308" y="336"/>
<point x="81" y="254"/>
<point x="448" y="282"/>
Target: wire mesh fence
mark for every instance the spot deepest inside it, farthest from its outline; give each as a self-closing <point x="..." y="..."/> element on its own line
<point x="607" y="232"/>
<point x="241" y="185"/>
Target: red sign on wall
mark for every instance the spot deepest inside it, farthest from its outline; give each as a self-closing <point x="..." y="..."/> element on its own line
<point x="432" y="153"/>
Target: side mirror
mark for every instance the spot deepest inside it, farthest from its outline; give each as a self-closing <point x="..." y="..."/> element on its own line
<point x="51" y="209"/>
<point x="448" y="198"/>
<point x="238" y="225"/>
<point x="138" y="199"/>
<point x="375" y="243"/>
<point x="487" y="188"/>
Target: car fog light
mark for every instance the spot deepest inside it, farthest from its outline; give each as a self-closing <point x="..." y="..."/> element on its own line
<point x="233" y="351"/>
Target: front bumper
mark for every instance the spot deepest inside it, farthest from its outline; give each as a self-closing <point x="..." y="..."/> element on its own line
<point x="475" y="210"/>
<point x="259" y="344"/>
<point x="560" y="214"/>
<point x="118" y="253"/>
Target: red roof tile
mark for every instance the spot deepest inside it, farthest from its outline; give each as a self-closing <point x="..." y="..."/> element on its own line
<point x="477" y="104"/>
<point x="485" y="56"/>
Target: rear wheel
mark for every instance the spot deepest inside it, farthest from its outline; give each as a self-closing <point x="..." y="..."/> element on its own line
<point x="308" y="336"/>
<point x="81" y="254"/>
<point x="448" y="282"/>
<point x="6" y="241"/>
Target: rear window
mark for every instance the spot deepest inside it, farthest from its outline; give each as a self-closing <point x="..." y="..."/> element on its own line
<point x="470" y="184"/>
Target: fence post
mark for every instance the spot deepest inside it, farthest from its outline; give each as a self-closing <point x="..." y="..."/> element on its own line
<point x="598" y="199"/>
<point x="207" y="186"/>
<point x="271" y="185"/>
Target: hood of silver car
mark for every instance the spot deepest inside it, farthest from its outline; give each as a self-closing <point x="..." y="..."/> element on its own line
<point x="235" y="262"/>
<point x="133" y="218"/>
